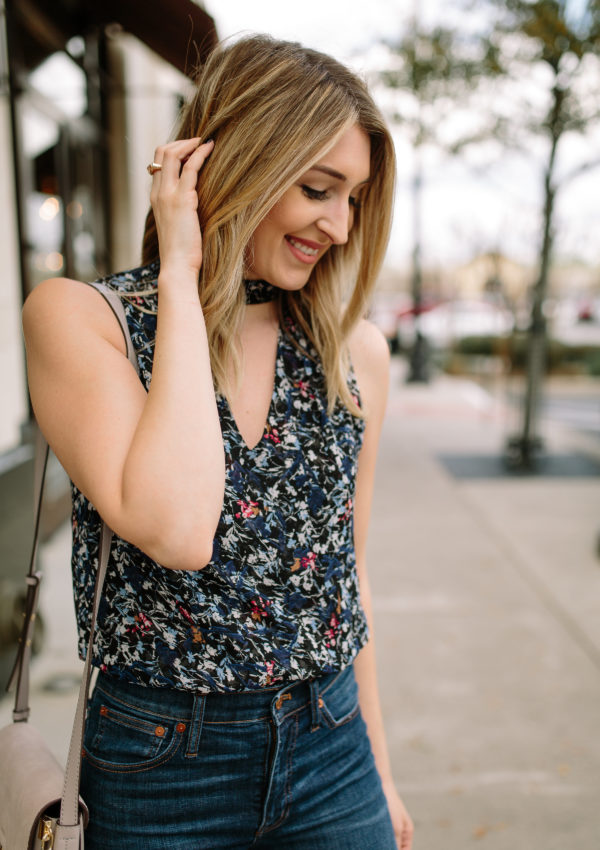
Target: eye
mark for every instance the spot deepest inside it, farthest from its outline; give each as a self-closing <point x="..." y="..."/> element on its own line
<point x="355" y="203"/>
<point x="315" y="194"/>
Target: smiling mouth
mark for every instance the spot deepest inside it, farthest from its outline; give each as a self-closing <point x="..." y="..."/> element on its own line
<point x="302" y="247"/>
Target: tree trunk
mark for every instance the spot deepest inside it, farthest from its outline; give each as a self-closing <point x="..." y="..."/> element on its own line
<point x="523" y="449"/>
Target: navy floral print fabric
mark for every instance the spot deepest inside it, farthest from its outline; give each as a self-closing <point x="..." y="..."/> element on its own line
<point x="279" y="600"/>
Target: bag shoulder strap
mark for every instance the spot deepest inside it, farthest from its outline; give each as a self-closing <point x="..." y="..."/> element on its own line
<point x="69" y="812"/>
<point x="116" y="305"/>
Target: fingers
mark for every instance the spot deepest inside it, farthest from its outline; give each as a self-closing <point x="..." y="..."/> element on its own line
<point x="175" y="156"/>
<point x="407" y="833"/>
<point x="174" y="199"/>
<point x="172" y="156"/>
<point x="193" y="164"/>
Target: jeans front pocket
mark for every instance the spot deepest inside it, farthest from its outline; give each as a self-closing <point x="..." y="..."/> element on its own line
<point x="121" y="738"/>
<point x="339" y="699"/>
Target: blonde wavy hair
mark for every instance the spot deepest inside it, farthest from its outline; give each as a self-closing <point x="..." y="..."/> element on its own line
<point x="273" y="109"/>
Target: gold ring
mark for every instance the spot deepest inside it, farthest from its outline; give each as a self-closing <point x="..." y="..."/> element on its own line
<point x="154" y="167"/>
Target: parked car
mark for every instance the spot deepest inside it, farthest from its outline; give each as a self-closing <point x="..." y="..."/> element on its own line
<point x="453" y="320"/>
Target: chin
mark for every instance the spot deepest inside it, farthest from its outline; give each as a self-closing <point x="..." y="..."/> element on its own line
<point x="290" y="280"/>
<point x="290" y="283"/>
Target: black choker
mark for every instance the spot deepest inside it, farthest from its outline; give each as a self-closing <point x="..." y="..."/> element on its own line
<point x="260" y="292"/>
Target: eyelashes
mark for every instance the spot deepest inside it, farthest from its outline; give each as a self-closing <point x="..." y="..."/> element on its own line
<point x="315" y="194"/>
<point x="323" y="195"/>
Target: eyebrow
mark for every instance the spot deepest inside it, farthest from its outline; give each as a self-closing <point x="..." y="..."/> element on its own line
<point x="336" y="174"/>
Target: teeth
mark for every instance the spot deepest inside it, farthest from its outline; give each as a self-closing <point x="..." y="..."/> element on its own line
<point x="310" y="252"/>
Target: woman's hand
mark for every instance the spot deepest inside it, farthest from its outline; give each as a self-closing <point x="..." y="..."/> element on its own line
<point x="401" y="820"/>
<point x="174" y="199"/>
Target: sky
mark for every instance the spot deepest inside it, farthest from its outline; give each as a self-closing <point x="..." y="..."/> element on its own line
<point x="464" y="212"/>
<point x="337" y="27"/>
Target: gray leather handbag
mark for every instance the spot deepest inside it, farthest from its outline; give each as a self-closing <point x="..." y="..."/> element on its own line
<point x="40" y="807"/>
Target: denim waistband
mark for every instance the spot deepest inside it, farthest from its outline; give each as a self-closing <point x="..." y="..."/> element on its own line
<point x="278" y="701"/>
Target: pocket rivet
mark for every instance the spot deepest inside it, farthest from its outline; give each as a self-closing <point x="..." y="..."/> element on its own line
<point x="180" y="727"/>
<point x="159" y="731"/>
<point x="103" y="711"/>
<point x="321" y="702"/>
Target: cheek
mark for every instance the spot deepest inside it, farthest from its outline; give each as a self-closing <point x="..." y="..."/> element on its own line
<point x="288" y="215"/>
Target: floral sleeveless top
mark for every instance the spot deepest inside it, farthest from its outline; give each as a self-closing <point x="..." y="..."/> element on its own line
<point x="279" y="601"/>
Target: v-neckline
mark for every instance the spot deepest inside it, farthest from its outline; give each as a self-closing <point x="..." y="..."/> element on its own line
<point x="265" y="429"/>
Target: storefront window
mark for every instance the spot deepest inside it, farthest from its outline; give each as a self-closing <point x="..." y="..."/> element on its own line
<point x="60" y="172"/>
<point x="62" y="81"/>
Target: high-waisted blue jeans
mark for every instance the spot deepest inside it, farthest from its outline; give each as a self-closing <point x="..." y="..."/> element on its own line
<point x="288" y="768"/>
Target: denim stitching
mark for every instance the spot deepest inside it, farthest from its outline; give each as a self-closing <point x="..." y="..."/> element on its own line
<point x="270" y="744"/>
<point x="196" y="724"/>
<point x="287" y="794"/>
<point x="123" y="720"/>
<point x="136" y="767"/>
<point x="333" y="681"/>
<point x="127" y="720"/>
<point x="135" y="707"/>
<point x="235" y="722"/>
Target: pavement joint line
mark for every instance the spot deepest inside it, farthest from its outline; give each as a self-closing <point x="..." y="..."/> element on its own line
<point x="552" y="604"/>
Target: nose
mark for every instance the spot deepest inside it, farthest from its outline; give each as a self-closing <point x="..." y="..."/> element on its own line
<point x="336" y="222"/>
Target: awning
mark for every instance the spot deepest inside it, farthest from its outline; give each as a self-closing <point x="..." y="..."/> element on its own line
<point x="179" y="31"/>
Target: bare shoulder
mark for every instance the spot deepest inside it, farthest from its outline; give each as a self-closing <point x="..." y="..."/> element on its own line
<point x="368" y="346"/>
<point x="68" y="309"/>
<point x="370" y="357"/>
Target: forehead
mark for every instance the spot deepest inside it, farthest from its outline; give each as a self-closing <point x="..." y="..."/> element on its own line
<point x="349" y="157"/>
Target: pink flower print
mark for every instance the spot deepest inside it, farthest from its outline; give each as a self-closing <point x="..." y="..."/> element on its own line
<point x="309" y="561"/>
<point x="332" y="631"/>
<point x="185" y="613"/>
<point x="347" y="513"/>
<point x="270" y="665"/>
<point x="272" y="434"/>
<point x="142" y="623"/>
<point x="304" y="388"/>
<point x="259" y="608"/>
<point x="196" y="633"/>
<point x="145" y="623"/>
<point x="248" y="509"/>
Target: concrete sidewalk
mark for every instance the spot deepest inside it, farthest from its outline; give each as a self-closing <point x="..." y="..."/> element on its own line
<point x="488" y="635"/>
<point x="486" y="593"/>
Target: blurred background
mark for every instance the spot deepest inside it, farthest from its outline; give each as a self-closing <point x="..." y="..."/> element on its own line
<point x="489" y="299"/>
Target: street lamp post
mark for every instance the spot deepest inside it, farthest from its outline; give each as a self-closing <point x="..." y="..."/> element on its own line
<point x="419" y="354"/>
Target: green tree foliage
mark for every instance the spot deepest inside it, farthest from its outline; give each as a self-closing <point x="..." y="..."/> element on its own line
<point x="564" y="40"/>
<point x="430" y="71"/>
<point x="538" y="61"/>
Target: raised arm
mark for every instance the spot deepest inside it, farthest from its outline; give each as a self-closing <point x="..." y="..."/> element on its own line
<point x="151" y="463"/>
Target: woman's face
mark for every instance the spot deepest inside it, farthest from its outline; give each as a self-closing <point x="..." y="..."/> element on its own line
<point x="313" y="214"/>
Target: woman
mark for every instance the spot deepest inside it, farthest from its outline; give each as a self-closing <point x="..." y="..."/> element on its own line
<point x="235" y="619"/>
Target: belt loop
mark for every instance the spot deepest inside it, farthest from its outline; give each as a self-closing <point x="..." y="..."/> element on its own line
<point x="315" y="702"/>
<point x="195" y="725"/>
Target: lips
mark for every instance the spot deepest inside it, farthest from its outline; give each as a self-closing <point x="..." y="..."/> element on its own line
<point x="303" y="249"/>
